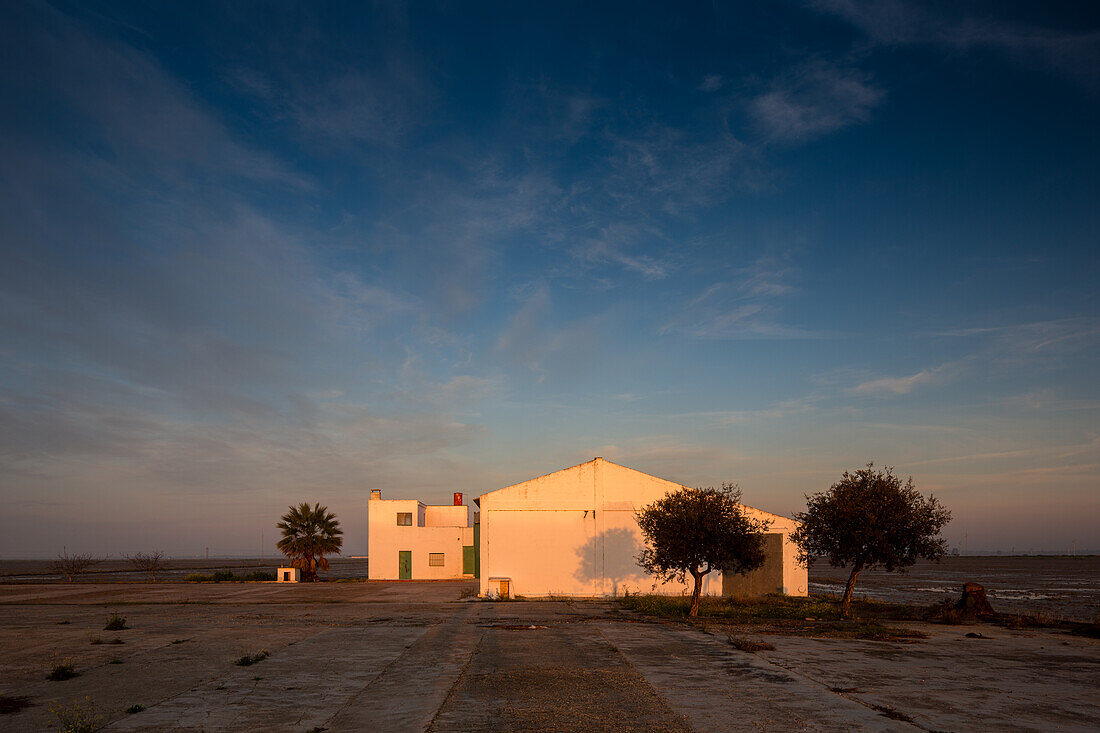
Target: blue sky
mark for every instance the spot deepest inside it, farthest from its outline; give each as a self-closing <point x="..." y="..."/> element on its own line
<point x="256" y="254"/>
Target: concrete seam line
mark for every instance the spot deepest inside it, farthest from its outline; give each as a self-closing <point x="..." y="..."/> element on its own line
<point x="375" y="678"/>
<point x="454" y="685"/>
<point x="653" y="690"/>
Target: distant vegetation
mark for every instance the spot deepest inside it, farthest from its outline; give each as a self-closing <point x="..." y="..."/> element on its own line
<point x="149" y="562"/>
<point x="227" y="576"/>
<point x="76" y="564"/>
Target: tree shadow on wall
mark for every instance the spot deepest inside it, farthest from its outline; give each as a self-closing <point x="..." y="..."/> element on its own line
<point x="610" y="555"/>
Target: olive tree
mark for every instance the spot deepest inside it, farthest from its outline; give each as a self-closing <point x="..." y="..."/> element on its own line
<point x="695" y="531"/>
<point x="870" y="519"/>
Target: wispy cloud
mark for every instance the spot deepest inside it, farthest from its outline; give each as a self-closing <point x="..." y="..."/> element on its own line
<point x="813" y="100"/>
<point x="899" y="22"/>
<point x="534" y="338"/>
<point x="745" y="306"/>
<point x="902" y="385"/>
<point x="711" y="83"/>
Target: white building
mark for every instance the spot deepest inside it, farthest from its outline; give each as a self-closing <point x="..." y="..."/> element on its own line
<point x="573" y="532"/>
<point x="408" y="540"/>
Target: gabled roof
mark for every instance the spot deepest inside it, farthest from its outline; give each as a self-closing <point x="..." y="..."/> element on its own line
<point x="643" y="487"/>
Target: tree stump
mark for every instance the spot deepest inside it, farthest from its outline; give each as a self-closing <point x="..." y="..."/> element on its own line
<point x="973" y="601"/>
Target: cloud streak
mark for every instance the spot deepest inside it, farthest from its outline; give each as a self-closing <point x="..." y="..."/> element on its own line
<point x="813" y="100"/>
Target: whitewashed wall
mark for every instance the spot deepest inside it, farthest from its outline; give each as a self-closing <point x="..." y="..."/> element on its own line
<point x="435" y="529"/>
<point x="574" y="532"/>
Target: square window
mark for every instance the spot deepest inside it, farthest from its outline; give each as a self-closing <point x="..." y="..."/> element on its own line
<point x="404" y="519"/>
<point x="435" y="559"/>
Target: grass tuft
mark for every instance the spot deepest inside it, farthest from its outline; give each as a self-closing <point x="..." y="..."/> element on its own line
<point x="247" y="660"/>
<point x="135" y="709"/>
<point x="115" y="623"/>
<point x="61" y="671"/>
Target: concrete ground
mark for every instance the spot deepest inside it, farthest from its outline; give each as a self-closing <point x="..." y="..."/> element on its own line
<point x="416" y="656"/>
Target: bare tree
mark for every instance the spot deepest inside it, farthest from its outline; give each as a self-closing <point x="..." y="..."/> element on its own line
<point x="148" y="562"/>
<point x="76" y="564"/>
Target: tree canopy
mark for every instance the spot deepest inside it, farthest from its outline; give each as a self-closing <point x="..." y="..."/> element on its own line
<point x="310" y="533"/>
<point x="695" y="531"/>
<point x="870" y="519"/>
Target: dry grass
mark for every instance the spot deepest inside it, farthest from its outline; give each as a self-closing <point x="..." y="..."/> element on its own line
<point x="750" y="645"/>
<point x="810" y="616"/>
<point x="247" y="660"/>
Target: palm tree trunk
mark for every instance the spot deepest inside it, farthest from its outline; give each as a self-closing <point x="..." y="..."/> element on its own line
<point x="846" y="603"/>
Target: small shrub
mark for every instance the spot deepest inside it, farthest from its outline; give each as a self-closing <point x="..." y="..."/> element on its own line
<point x="179" y="641"/>
<point x="248" y="660"/>
<point x="115" y="623"/>
<point x="228" y="576"/>
<point x="749" y="645"/>
<point x="135" y="709"/>
<point x="116" y="660"/>
<point x="77" y="718"/>
<point x="14" y="704"/>
<point x="65" y="670"/>
<point x="95" y="640"/>
<point x="259" y="576"/>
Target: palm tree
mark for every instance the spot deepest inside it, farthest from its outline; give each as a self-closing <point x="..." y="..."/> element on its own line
<point x="309" y="533"/>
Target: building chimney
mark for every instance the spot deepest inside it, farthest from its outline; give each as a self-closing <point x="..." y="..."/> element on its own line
<point x="376" y="493"/>
<point x="458" y="498"/>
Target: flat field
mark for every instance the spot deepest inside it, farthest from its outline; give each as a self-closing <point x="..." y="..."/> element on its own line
<point x="415" y="656"/>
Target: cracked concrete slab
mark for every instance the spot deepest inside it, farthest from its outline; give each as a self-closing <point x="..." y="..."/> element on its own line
<point x="716" y="687"/>
<point x="294" y="689"/>
<point x="416" y="656"/>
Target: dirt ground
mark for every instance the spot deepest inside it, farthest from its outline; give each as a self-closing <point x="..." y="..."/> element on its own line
<point x="418" y="656"/>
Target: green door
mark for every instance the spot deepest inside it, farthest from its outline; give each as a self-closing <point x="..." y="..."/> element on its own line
<point x="404" y="564"/>
<point x="468" y="560"/>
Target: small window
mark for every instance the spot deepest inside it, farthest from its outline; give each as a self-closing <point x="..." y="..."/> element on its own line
<point x="435" y="559"/>
<point x="404" y="519"/>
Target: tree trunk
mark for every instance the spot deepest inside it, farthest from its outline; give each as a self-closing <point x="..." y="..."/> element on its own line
<point x="846" y="603"/>
<point x="694" y="611"/>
